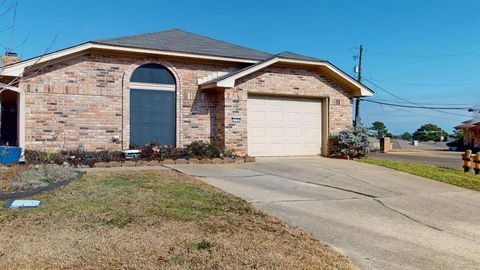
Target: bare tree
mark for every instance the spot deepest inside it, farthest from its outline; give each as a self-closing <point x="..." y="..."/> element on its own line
<point x="9" y="84"/>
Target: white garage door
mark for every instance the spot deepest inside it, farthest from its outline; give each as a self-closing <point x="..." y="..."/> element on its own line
<point x="281" y="126"/>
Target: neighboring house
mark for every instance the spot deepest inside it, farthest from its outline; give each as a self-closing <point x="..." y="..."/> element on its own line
<point x="176" y="87"/>
<point x="471" y="129"/>
<point x="471" y="133"/>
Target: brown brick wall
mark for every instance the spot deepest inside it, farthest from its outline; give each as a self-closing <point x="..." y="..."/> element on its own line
<point x="472" y="134"/>
<point x="78" y="102"/>
<point x="283" y="81"/>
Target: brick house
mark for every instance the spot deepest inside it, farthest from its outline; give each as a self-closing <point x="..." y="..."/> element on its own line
<point x="471" y="133"/>
<point x="175" y="87"/>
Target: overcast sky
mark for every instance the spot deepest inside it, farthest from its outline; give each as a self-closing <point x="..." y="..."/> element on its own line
<point x="422" y="51"/>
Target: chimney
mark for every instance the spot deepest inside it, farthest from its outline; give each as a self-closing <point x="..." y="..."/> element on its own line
<point x="10" y="58"/>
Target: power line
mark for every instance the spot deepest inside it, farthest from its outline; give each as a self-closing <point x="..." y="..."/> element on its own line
<point x="420" y="56"/>
<point x="419" y="105"/>
<point x="430" y="84"/>
<point x="416" y="112"/>
<point x="426" y="103"/>
<point x="416" y="107"/>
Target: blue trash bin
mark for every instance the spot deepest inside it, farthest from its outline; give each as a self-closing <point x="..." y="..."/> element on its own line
<point x="10" y="154"/>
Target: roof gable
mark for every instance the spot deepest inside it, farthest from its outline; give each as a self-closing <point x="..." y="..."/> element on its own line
<point x="229" y="80"/>
<point x="296" y="56"/>
<point x="176" y="40"/>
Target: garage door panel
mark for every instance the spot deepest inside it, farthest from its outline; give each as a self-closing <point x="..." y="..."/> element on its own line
<point x="277" y="149"/>
<point x="311" y="132"/>
<point x="281" y="126"/>
<point x="274" y="116"/>
<point x="293" y="133"/>
<point x="273" y="132"/>
<point x="294" y="148"/>
<point x="294" y="117"/>
<point x="312" y="117"/>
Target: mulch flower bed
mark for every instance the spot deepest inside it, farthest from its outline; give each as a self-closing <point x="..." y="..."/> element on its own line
<point x="143" y="162"/>
<point x="25" y="180"/>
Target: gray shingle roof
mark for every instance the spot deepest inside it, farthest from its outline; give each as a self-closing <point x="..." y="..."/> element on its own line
<point x="176" y="40"/>
<point x="468" y="124"/>
<point x="296" y="56"/>
<point x="284" y="55"/>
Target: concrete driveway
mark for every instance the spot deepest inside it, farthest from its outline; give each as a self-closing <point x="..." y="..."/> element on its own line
<point x="380" y="218"/>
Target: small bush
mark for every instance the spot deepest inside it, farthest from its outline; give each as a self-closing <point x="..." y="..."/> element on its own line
<point x="39" y="157"/>
<point x="201" y="149"/>
<point x="79" y="157"/>
<point x="155" y="151"/>
<point x="196" y="149"/>
<point x="107" y="156"/>
<point x="353" y="143"/>
<point x="152" y="151"/>
<point x="75" y="157"/>
<point x="170" y="152"/>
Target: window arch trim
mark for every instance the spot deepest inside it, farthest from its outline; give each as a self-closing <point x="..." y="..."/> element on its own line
<point x="152" y="86"/>
<point x="152" y="74"/>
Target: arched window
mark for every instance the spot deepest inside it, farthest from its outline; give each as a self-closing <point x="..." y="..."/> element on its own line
<point x="152" y="73"/>
<point x="152" y="106"/>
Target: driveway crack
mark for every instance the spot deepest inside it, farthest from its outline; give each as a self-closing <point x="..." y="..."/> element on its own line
<point x="361" y="180"/>
<point x="375" y="198"/>
<point x="407" y="216"/>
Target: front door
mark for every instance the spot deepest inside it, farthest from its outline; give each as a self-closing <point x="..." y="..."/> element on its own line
<point x="152" y="117"/>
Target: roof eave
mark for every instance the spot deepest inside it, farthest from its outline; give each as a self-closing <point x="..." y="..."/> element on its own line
<point x="358" y="89"/>
<point x="17" y="69"/>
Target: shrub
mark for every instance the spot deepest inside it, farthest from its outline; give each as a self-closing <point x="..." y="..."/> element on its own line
<point x="38" y="157"/>
<point x="353" y="143"/>
<point x="196" y="149"/>
<point x="78" y="157"/>
<point x="74" y="157"/>
<point x="157" y="151"/>
<point x="170" y="152"/>
<point x="107" y="156"/>
<point x="201" y="149"/>
<point x="152" y="151"/>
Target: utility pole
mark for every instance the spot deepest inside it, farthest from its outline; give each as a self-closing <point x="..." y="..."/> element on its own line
<point x="359" y="79"/>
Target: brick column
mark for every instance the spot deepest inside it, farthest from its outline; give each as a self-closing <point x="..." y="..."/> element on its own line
<point x="236" y="120"/>
<point x="219" y="120"/>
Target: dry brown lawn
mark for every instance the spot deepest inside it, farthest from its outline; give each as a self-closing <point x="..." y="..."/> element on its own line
<point x="153" y="220"/>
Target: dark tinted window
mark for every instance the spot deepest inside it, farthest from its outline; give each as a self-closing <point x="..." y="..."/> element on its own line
<point x="152" y="73"/>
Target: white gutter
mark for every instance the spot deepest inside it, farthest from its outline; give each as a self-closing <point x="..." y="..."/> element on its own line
<point x="17" y="69"/>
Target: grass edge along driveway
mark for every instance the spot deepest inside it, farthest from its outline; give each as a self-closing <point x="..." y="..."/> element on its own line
<point x="441" y="174"/>
<point x="153" y="220"/>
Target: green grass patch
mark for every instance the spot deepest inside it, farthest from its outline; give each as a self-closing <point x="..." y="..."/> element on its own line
<point x="186" y="201"/>
<point x="120" y="199"/>
<point x="204" y="244"/>
<point x="48" y="180"/>
<point x="153" y="220"/>
<point x="116" y="182"/>
<point x="441" y="174"/>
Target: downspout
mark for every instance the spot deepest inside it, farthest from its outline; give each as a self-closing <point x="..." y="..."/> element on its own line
<point x="121" y="137"/>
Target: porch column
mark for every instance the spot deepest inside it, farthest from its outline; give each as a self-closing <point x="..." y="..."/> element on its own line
<point x="21" y="121"/>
